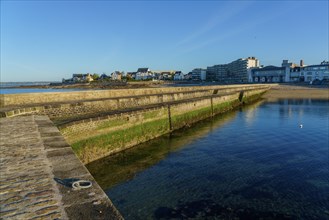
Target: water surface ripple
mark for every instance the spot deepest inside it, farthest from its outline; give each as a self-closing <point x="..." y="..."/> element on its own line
<point x="253" y="163"/>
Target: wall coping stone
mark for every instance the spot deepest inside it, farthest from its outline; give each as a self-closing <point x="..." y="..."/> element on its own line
<point x="31" y="99"/>
<point x="28" y="175"/>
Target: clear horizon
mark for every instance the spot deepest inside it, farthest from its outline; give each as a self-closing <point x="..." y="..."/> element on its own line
<point x="51" y="40"/>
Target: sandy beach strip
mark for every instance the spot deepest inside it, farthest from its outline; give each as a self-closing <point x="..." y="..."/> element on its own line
<point x="297" y="92"/>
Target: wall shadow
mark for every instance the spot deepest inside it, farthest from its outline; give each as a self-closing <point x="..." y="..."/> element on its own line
<point x="123" y="166"/>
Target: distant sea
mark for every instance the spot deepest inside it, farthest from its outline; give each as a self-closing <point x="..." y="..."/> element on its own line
<point x="7" y="87"/>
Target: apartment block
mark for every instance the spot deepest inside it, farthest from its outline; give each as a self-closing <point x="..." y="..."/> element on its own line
<point x="235" y="72"/>
<point x="199" y="74"/>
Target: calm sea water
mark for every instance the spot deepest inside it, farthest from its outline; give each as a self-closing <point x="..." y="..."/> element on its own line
<point x="6" y="88"/>
<point x="253" y="163"/>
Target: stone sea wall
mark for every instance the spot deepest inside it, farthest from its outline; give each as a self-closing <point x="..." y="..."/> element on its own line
<point x="85" y="108"/>
<point x="98" y="137"/>
<point x="100" y="122"/>
<point x="35" y="99"/>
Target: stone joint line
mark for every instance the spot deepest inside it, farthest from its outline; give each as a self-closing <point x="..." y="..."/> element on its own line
<point x="26" y="188"/>
<point x="33" y="153"/>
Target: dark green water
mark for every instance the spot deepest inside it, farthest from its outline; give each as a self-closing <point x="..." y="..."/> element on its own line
<point x="253" y="163"/>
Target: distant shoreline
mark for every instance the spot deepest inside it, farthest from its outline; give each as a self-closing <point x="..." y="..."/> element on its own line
<point x="281" y="91"/>
<point x="103" y="85"/>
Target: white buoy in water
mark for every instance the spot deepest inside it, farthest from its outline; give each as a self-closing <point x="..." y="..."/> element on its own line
<point x="301" y="126"/>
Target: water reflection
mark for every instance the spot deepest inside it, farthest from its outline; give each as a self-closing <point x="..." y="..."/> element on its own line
<point x="290" y="105"/>
<point x="254" y="163"/>
<point x="251" y="111"/>
<point x="124" y="166"/>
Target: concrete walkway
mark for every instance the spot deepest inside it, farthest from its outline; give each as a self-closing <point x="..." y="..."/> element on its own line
<point x="33" y="156"/>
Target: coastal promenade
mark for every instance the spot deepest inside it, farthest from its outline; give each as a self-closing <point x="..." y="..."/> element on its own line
<point x="37" y="168"/>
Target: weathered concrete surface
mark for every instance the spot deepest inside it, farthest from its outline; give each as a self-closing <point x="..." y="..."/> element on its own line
<point x="33" y="154"/>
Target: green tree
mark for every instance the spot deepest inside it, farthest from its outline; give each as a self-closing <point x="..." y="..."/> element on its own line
<point x="95" y="76"/>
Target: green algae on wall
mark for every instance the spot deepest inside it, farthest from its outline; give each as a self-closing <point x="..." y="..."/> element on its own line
<point x="225" y="106"/>
<point x="132" y="128"/>
<point x="102" y="145"/>
<point x="190" y="117"/>
<point x="85" y="129"/>
<point x="116" y="140"/>
<point x="253" y="97"/>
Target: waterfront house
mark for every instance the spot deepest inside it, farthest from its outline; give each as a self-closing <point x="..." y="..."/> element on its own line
<point x="144" y="74"/>
<point x="131" y="75"/>
<point x="178" y="75"/>
<point x="165" y="75"/>
<point x="89" y="78"/>
<point x="104" y="76"/>
<point x="78" y="77"/>
<point x="116" y="75"/>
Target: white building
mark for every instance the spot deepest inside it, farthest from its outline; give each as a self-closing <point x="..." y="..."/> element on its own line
<point x="269" y="74"/>
<point x="294" y="75"/>
<point x="236" y="71"/>
<point x="290" y="72"/>
<point x="315" y="72"/>
<point x="116" y="75"/>
<point x="199" y="74"/>
<point x="179" y="75"/>
<point x="143" y="74"/>
<point x="82" y="77"/>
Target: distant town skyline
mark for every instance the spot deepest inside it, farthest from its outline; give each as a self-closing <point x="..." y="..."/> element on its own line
<point x="50" y="40"/>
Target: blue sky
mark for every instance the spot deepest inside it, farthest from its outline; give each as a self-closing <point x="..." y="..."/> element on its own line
<point x="50" y="40"/>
